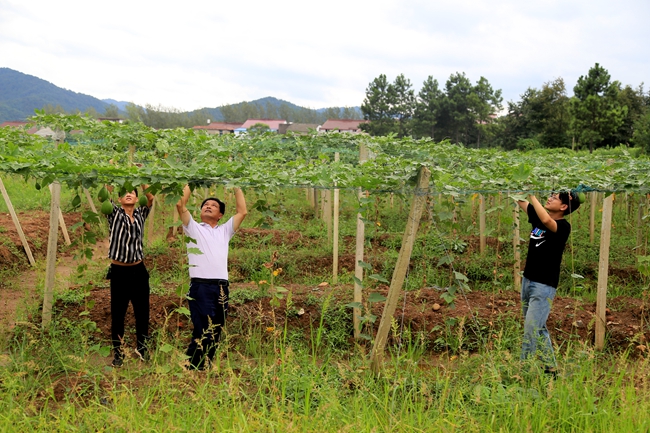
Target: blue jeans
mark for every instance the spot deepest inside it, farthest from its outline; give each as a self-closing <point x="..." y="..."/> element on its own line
<point x="536" y="301"/>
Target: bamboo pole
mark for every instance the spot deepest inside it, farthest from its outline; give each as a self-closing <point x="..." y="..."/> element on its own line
<point x="603" y="268"/>
<point x="403" y="259"/>
<point x="19" y="228"/>
<point x="335" y="235"/>
<point x="50" y="268"/>
<point x="358" y="256"/>
<point x="481" y="223"/>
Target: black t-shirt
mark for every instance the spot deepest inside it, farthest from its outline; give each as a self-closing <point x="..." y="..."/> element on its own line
<point x="545" y="250"/>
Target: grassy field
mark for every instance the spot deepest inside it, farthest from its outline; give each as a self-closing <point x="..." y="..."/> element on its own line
<point x="267" y="379"/>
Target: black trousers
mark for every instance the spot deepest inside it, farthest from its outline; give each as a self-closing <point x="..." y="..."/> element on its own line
<point x="208" y="308"/>
<point x="129" y="283"/>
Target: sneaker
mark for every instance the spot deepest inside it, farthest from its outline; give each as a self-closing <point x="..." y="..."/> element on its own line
<point x="552" y="372"/>
<point x="118" y="361"/>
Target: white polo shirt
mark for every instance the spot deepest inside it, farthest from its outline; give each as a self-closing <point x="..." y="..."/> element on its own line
<point x="213" y="243"/>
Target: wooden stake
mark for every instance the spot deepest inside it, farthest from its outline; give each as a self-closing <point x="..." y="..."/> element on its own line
<point x="603" y="269"/>
<point x="403" y="259"/>
<point x="515" y="246"/>
<point x="19" y="228"/>
<point x="481" y="223"/>
<point x="150" y="218"/>
<point x="50" y="269"/>
<point x="64" y="229"/>
<point x="358" y="256"/>
<point x="592" y="215"/>
<point x="639" y="222"/>
<point x="335" y="235"/>
<point x="328" y="215"/>
<point x="90" y="200"/>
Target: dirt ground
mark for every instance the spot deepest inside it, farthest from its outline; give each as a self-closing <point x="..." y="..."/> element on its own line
<point x="420" y="310"/>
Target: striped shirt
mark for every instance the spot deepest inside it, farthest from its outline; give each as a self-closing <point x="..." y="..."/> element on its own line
<point x="125" y="237"/>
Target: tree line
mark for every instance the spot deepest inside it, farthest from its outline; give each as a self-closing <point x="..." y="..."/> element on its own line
<point x="161" y="117"/>
<point x="600" y="113"/>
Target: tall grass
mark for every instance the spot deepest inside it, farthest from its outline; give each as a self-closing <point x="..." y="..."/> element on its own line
<point x="54" y="381"/>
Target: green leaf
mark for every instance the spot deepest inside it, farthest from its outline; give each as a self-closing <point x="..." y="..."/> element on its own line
<point x="355" y="305"/>
<point x="358" y="281"/>
<point x="365" y="265"/>
<point x="378" y="278"/>
<point x="193" y="250"/>
<point x="182" y="310"/>
<point x="376" y="297"/>
<point x="460" y="276"/>
<point x="166" y="348"/>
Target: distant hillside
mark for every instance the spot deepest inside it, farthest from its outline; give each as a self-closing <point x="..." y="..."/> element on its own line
<point x="274" y="108"/>
<point x="21" y="94"/>
<point x="121" y="105"/>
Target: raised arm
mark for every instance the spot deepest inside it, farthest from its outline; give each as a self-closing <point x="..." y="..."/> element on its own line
<point x="180" y="206"/>
<point x="149" y="196"/>
<point x="241" y="211"/>
<point x="543" y="215"/>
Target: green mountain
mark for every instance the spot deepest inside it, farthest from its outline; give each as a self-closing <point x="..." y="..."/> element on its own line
<point x="21" y="94"/>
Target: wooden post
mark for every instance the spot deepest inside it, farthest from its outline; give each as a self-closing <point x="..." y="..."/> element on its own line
<point x="603" y="268"/>
<point x="64" y="229"/>
<point x="358" y="256"/>
<point x="19" y="228"/>
<point x="515" y="245"/>
<point x="150" y="221"/>
<point x="481" y="223"/>
<point x="335" y="235"/>
<point x="403" y="259"/>
<point x="592" y="215"/>
<point x="328" y="215"/>
<point x="50" y="269"/>
<point x="639" y="222"/>
<point x="90" y="200"/>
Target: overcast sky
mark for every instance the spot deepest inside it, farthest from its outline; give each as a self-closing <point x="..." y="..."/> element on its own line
<point x="197" y="53"/>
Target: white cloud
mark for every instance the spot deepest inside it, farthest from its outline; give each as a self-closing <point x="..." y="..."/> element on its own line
<point x="198" y="53"/>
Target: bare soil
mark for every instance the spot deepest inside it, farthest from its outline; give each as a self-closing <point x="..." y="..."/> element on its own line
<point x="420" y="310"/>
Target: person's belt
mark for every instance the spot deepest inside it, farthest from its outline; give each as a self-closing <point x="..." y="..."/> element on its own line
<point x="218" y="282"/>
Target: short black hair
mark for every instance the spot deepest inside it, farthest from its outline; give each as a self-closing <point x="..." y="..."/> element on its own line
<point x="571" y="200"/>
<point x="222" y="205"/>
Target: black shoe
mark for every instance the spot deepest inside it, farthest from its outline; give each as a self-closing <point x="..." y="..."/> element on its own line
<point x="551" y="371"/>
<point x="118" y="361"/>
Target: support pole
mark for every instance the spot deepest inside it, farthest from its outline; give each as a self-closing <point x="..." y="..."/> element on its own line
<point x="335" y="236"/>
<point x="358" y="256"/>
<point x="603" y="268"/>
<point x="50" y="268"/>
<point x="481" y="223"/>
<point x="516" y="250"/>
<point x="64" y="229"/>
<point x="19" y="228"/>
<point x="593" y="196"/>
<point x="403" y="259"/>
<point x="90" y="200"/>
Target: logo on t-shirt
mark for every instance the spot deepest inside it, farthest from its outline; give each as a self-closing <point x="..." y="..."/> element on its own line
<point x="537" y="233"/>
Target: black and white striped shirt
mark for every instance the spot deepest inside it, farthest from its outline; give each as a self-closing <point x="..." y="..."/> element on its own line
<point x="125" y="237"/>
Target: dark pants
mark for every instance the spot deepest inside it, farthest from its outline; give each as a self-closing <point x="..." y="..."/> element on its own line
<point x="129" y="283"/>
<point x="208" y="308"/>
